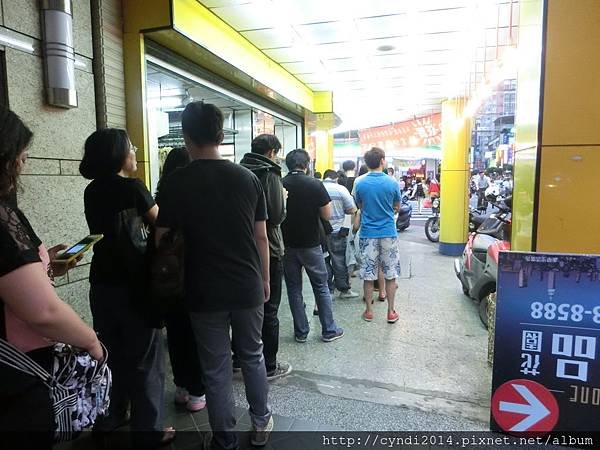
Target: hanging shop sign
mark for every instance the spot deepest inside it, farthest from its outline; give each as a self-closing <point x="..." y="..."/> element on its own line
<point x="422" y="132"/>
<point x="546" y="368"/>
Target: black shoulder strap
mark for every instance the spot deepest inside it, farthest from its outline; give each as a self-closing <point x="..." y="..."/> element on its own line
<point x="2" y="321"/>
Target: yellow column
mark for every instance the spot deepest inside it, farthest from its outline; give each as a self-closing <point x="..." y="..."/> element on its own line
<point x="324" y="123"/>
<point x="324" y="142"/>
<point x="566" y="155"/>
<point x="456" y="137"/>
<point x="137" y="15"/>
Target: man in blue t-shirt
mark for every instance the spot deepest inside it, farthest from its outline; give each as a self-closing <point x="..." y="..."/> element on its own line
<point x="378" y="196"/>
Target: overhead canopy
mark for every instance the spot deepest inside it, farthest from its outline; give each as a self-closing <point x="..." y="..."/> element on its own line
<point x="385" y="60"/>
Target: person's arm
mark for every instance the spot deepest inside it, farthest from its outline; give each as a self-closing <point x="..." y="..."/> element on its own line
<point x="356" y="222"/>
<point x="262" y="243"/>
<point x="349" y="205"/>
<point x="275" y="199"/>
<point x="326" y="211"/>
<point x="31" y="298"/>
<point x="151" y="215"/>
<point x="397" y="197"/>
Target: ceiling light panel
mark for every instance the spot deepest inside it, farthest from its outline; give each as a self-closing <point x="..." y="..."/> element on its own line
<point x="429" y="5"/>
<point x="248" y="16"/>
<point x="270" y="37"/>
<point x="311" y="78"/>
<point x="440" y="41"/>
<point x="373" y="46"/>
<point x="382" y="27"/>
<point x="337" y="50"/>
<point x="340" y="64"/>
<point x="303" y="67"/>
<point x="319" y="86"/>
<point x="389" y="61"/>
<point x="442" y="20"/>
<point x="286" y="54"/>
<point x="313" y="11"/>
<point x="325" y="33"/>
<point x="435" y="57"/>
<point x="218" y="3"/>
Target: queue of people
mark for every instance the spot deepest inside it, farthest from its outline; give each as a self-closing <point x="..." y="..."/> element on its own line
<point x="245" y="230"/>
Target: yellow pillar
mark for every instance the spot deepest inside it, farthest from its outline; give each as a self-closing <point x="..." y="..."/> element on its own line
<point x="324" y="142"/>
<point x="556" y="167"/>
<point x="456" y="138"/>
<point x="324" y="123"/>
<point x="136" y="16"/>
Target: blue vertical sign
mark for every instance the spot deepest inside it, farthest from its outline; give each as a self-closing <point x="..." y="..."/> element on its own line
<point x="546" y="373"/>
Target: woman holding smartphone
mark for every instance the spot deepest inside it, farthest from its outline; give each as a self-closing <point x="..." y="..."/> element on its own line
<point x="32" y="316"/>
<point x="136" y="348"/>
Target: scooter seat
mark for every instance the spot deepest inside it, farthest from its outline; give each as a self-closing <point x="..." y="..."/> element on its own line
<point x="482" y="242"/>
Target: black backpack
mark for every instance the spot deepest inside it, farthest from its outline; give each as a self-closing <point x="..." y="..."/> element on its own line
<point x="166" y="266"/>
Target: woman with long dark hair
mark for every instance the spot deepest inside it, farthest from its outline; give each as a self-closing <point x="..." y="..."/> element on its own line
<point x="183" y="353"/>
<point x="32" y="316"/>
<point x="114" y="205"/>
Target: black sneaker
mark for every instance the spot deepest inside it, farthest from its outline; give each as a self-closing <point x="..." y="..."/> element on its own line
<point x="333" y="336"/>
<point x="260" y="436"/>
<point x="301" y="339"/>
<point x="280" y="371"/>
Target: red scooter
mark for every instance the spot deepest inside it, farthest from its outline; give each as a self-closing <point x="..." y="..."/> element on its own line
<point x="477" y="269"/>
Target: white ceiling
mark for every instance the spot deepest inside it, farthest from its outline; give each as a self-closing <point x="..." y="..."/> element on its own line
<point x="435" y="48"/>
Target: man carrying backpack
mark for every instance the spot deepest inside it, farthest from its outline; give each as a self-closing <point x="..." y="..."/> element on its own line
<point x="262" y="163"/>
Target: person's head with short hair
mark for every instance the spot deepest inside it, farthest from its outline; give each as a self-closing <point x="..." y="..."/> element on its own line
<point x="348" y="165"/>
<point x="202" y="125"/>
<point x="318" y="176"/>
<point x="330" y="174"/>
<point x="363" y="170"/>
<point x="107" y="152"/>
<point x="390" y="171"/>
<point x="14" y="140"/>
<point x="267" y="145"/>
<point x="375" y="158"/>
<point x="298" y="159"/>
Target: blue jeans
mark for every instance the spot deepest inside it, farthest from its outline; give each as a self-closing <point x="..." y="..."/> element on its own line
<point x="314" y="263"/>
<point x="337" y="270"/>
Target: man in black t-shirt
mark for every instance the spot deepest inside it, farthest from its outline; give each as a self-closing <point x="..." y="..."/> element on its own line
<point x="220" y="209"/>
<point x="308" y="202"/>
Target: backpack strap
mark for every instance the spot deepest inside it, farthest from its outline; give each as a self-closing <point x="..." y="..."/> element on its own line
<point x="12" y="357"/>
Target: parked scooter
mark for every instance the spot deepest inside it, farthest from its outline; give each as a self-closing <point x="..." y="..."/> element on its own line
<point x="477" y="269"/>
<point x="404" y="215"/>
<point x="432" y="226"/>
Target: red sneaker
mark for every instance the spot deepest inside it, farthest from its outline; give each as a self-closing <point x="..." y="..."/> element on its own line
<point x="393" y="317"/>
<point x="368" y="316"/>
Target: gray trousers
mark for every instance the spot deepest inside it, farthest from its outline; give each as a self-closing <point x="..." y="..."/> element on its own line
<point x="214" y="348"/>
<point x="136" y="358"/>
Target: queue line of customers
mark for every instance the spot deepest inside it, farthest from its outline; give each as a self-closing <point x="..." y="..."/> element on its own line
<point x="235" y="223"/>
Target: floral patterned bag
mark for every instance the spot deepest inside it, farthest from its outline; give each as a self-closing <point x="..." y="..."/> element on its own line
<point x="79" y="386"/>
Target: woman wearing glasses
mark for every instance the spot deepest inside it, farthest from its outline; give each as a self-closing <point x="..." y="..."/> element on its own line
<point x="115" y="204"/>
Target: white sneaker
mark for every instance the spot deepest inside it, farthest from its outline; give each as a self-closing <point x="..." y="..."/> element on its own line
<point x="260" y="436"/>
<point x="349" y="294"/>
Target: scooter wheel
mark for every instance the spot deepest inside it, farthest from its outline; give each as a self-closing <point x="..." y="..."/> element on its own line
<point x="483" y="309"/>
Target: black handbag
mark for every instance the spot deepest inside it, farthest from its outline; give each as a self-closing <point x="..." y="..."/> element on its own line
<point x="167" y="261"/>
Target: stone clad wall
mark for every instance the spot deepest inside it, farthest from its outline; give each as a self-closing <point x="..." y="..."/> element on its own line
<point x="52" y="195"/>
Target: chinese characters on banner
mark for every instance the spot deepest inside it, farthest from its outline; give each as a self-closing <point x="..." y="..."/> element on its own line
<point x="422" y="132"/>
<point x="546" y="368"/>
